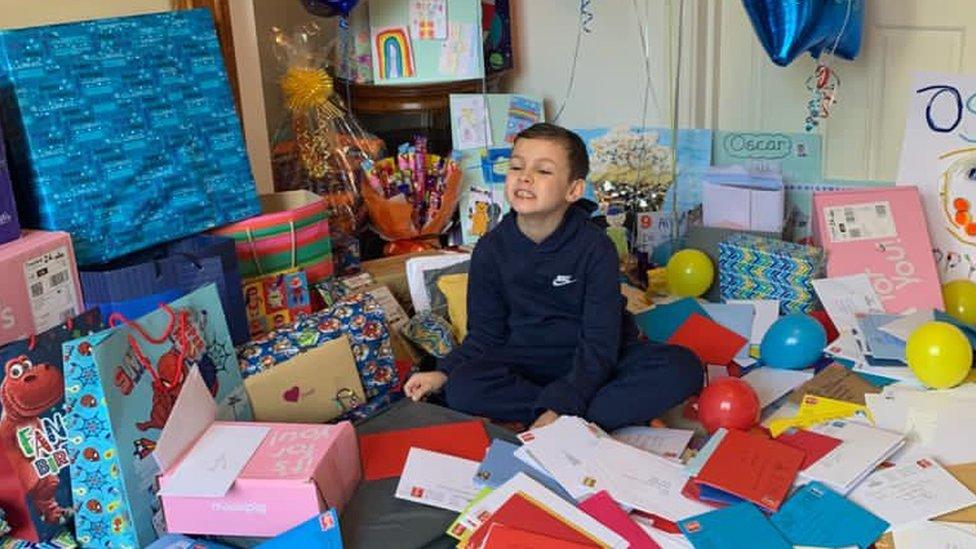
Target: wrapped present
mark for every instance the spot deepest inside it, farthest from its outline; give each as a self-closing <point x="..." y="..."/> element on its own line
<point x="4" y="525"/>
<point x="40" y="286"/>
<point x="35" y="487"/>
<point x="9" y="225"/>
<point x="275" y="301"/>
<point x="123" y="131"/>
<point x="292" y="232"/>
<point x="357" y="316"/>
<point x="753" y="267"/>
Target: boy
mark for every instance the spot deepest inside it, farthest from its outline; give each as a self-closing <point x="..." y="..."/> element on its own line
<point x="548" y="333"/>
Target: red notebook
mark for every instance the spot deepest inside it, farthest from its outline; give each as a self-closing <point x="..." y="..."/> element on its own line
<point x="501" y="536"/>
<point x="752" y="467"/>
<point x="813" y="445"/>
<point x="384" y="454"/>
<point x="712" y="342"/>
<point x="525" y="514"/>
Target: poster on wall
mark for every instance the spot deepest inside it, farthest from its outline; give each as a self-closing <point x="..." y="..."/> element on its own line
<point x="938" y="154"/>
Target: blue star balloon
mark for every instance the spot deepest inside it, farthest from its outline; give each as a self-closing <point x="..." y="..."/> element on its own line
<point x="787" y="28"/>
<point x="329" y="8"/>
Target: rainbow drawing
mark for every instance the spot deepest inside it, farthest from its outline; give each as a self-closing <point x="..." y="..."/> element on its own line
<point x="393" y="54"/>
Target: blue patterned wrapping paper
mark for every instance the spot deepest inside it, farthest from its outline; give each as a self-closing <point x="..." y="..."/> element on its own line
<point x="357" y="316"/>
<point x="123" y="131"/>
<point x="753" y="267"/>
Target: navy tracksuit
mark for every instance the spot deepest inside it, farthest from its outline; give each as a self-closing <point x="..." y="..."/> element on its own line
<point x="547" y="330"/>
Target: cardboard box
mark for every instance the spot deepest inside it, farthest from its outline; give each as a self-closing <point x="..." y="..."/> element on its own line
<point x="880" y="232"/>
<point x="39" y="288"/>
<point x="392" y="273"/>
<point x="316" y="386"/>
<point x="292" y="472"/>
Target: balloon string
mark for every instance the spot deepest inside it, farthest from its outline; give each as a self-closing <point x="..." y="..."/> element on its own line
<point x="572" y="70"/>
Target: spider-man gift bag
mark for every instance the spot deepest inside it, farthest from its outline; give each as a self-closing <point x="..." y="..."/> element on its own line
<point x="120" y="387"/>
<point x="35" y="486"/>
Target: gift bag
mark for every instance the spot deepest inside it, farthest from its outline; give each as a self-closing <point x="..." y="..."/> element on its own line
<point x="275" y="301"/>
<point x="357" y="316"/>
<point x="292" y="232"/>
<point x="120" y="387"/>
<point x="35" y="486"/>
<point x="138" y="283"/>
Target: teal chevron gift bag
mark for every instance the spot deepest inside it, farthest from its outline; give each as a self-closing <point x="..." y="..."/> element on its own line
<point x="120" y="387"/>
<point x="755" y="267"/>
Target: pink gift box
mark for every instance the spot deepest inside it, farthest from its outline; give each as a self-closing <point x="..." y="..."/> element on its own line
<point x="881" y="232"/>
<point x="39" y="287"/>
<point x="298" y="471"/>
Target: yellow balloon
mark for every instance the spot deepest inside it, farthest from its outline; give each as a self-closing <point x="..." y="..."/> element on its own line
<point x="939" y="354"/>
<point x="690" y="273"/>
<point x="960" y="300"/>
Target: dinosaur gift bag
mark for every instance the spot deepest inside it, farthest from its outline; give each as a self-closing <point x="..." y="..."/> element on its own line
<point x="35" y="487"/>
<point x="120" y="387"/>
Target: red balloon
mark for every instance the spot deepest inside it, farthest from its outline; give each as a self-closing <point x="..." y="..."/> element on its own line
<point x="828" y="324"/>
<point x="728" y="402"/>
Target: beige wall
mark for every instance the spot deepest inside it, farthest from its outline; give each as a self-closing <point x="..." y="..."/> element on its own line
<point x="30" y="13"/>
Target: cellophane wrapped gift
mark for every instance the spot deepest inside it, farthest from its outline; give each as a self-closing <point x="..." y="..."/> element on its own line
<point x="321" y="147"/>
<point x="123" y="132"/>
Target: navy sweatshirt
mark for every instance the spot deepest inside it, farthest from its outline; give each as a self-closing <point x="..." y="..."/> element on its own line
<point x="554" y="309"/>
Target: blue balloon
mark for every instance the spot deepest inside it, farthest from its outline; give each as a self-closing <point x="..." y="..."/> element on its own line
<point x="329" y="8"/>
<point x="793" y="342"/>
<point x="787" y="28"/>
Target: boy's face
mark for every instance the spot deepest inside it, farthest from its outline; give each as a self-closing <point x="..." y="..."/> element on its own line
<point x="538" y="180"/>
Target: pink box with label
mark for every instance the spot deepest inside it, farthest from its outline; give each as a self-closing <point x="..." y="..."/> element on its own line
<point x="298" y="471"/>
<point x="39" y="284"/>
<point x="881" y="232"/>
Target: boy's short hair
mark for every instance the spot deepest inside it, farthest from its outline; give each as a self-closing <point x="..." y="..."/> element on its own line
<point x="579" y="159"/>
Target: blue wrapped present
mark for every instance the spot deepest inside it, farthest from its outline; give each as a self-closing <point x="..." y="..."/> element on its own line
<point x="123" y="132"/>
<point x="754" y="267"/>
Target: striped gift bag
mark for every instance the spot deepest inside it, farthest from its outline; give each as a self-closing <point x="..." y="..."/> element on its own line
<point x="291" y="232"/>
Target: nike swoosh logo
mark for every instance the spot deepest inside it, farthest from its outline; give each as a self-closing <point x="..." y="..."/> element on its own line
<point x="562" y="280"/>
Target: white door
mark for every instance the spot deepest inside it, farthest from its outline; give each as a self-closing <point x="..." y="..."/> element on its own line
<point x="862" y="137"/>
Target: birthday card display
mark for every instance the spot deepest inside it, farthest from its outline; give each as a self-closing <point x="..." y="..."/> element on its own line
<point x="123" y="132"/>
<point x="937" y="155"/>
<point x="425" y="40"/>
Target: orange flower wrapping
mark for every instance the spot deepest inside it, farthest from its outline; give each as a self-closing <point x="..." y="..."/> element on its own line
<point x="393" y="217"/>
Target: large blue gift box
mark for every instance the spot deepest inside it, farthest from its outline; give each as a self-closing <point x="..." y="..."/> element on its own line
<point x="123" y="132"/>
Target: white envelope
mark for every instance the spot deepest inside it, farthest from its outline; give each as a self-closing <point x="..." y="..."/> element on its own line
<point x="564" y="448"/>
<point x="644" y="481"/>
<point x="844" y="297"/>
<point x="862" y="448"/>
<point x="767" y="313"/>
<point x="667" y="443"/>
<point x="438" y="480"/>
<point x="915" y="491"/>
<point x="772" y="384"/>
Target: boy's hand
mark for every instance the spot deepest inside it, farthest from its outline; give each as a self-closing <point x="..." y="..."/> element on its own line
<point x="546" y="418"/>
<point x="422" y="384"/>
